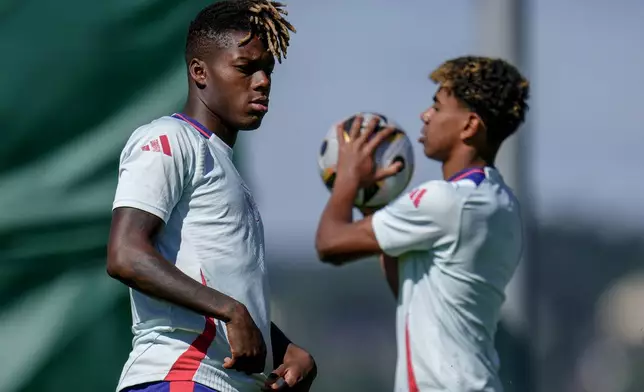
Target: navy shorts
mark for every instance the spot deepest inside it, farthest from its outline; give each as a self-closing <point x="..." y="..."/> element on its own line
<point x="165" y="386"/>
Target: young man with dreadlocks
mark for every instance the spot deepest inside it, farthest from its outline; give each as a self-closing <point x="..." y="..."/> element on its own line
<point x="449" y="247"/>
<point x="186" y="235"/>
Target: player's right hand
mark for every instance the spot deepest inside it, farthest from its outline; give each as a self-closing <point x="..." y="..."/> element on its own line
<point x="246" y="343"/>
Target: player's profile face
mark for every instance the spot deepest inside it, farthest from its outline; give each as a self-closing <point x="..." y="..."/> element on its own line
<point x="443" y="122"/>
<point x="239" y="82"/>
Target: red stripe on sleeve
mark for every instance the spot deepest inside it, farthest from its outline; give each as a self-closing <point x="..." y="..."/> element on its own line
<point x="165" y="145"/>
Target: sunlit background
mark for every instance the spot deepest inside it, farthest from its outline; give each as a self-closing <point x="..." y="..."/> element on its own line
<point x="77" y="77"/>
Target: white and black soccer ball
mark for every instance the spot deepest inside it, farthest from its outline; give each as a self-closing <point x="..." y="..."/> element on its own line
<point x="396" y="148"/>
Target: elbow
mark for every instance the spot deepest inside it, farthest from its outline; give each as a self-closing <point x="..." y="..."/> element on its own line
<point x="326" y="251"/>
<point x="114" y="268"/>
<point x="117" y="265"/>
<point x="322" y="249"/>
<point x="326" y="257"/>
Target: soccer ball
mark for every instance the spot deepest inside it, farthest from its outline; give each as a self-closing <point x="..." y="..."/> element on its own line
<point x="396" y="148"/>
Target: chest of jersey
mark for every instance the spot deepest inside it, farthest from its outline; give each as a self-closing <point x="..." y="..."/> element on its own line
<point x="222" y="212"/>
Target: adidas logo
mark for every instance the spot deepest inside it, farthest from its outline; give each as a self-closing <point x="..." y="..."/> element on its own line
<point x="416" y="195"/>
<point x="160" y="144"/>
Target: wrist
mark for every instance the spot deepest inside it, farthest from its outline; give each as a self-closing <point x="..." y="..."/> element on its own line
<point x="225" y="308"/>
<point x="347" y="179"/>
<point x="235" y="312"/>
<point x="291" y="349"/>
<point x="346" y="186"/>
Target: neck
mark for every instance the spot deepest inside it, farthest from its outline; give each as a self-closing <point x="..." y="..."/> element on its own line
<point x="198" y="110"/>
<point x="459" y="162"/>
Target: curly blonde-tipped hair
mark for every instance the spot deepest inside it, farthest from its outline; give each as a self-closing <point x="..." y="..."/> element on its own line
<point x="262" y="18"/>
<point x="492" y="88"/>
<point x="268" y="18"/>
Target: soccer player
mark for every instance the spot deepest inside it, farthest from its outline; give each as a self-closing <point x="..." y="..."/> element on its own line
<point x="449" y="247"/>
<point x="186" y="235"/>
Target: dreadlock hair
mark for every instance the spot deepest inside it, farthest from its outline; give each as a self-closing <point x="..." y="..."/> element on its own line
<point x="262" y="18"/>
<point x="491" y="88"/>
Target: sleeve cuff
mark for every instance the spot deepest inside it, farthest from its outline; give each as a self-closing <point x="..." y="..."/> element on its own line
<point x="379" y="230"/>
<point x="156" y="211"/>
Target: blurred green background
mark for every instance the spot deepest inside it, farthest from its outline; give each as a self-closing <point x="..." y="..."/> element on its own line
<point x="78" y="77"/>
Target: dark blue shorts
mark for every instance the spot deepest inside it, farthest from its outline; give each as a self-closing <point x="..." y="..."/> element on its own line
<point x="174" y="386"/>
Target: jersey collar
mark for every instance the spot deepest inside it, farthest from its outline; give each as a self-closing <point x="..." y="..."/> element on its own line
<point x="205" y="132"/>
<point x="475" y="174"/>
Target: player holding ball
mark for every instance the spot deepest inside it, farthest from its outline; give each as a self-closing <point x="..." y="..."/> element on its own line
<point x="449" y="247"/>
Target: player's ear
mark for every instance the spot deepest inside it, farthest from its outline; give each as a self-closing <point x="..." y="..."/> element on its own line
<point x="198" y="72"/>
<point x="473" y="125"/>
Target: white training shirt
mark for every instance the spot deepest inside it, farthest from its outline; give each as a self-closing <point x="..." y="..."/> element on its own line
<point x="458" y="243"/>
<point x="181" y="172"/>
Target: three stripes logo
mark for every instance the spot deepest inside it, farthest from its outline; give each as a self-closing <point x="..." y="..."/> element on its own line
<point x="160" y="144"/>
<point x="416" y="195"/>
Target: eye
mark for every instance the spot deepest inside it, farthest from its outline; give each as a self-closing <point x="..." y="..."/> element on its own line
<point x="245" y="69"/>
<point x="252" y="68"/>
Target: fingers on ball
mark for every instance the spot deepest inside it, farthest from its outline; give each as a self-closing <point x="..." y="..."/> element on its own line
<point x="355" y="127"/>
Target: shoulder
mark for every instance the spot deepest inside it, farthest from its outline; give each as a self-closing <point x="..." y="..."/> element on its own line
<point x="418" y="218"/>
<point x="434" y="195"/>
<point x="166" y="135"/>
<point x="171" y="127"/>
<point x="431" y="201"/>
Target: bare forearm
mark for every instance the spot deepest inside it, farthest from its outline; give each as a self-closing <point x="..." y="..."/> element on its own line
<point x="338" y="239"/>
<point x="390" y="268"/>
<point x="339" y="209"/>
<point x="145" y="270"/>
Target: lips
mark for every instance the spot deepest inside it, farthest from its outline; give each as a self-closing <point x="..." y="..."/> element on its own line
<point x="421" y="138"/>
<point x="259" y="104"/>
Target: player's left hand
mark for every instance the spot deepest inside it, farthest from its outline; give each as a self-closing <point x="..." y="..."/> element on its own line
<point x="296" y="373"/>
<point x="356" y="155"/>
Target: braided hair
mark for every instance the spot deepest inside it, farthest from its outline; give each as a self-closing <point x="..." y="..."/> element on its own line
<point x="261" y="18"/>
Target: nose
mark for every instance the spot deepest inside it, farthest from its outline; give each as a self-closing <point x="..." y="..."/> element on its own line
<point x="426" y="115"/>
<point x="261" y="81"/>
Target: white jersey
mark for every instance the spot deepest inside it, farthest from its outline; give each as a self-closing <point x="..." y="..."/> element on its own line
<point x="181" y="172"/>
<point x="459" y="243"/>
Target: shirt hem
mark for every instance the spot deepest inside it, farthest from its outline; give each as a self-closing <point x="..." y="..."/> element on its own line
<point x="220" y="386"/>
